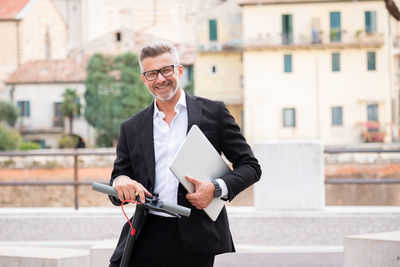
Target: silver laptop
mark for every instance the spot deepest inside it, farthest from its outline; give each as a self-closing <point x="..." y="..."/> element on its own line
<point x="199" y="159"/>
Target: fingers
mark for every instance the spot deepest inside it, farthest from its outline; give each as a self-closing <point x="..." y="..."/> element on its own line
<point x="203" y="195"/>
<point x="128" y="189"/>
<point x="197" y="201"/>
<point x="191" y="179"/>
<point x="142" y="191"/>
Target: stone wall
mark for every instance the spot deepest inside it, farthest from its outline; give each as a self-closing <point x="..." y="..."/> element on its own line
<point x="98" y="168"/>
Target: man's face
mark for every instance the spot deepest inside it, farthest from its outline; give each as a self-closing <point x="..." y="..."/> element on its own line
<point x="163" y="88"/>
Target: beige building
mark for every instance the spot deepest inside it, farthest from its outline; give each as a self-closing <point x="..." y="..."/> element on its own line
<point x="36" y="88"/>
<point x="218" y="64"/>
<point x="32" y="29"/>
<point x="318" y="70"/>
<point x="93" y="23"/>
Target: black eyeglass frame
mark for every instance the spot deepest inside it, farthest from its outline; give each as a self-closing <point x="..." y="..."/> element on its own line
<point x="159" y="72"/>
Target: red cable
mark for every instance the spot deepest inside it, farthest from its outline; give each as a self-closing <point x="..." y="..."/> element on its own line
<point x="133" y="230"/>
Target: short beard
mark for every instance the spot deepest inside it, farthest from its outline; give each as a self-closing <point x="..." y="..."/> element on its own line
<point x="171" y="94"/>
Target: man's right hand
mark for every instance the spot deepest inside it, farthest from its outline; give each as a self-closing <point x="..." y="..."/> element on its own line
<point x="127" y="189"/>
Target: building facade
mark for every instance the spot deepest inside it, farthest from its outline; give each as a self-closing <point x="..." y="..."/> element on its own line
<point x="318" y="70"/>
<point x="218" y="64"/>
<point x="33" y="29"/>
<point x="37" y="89"/>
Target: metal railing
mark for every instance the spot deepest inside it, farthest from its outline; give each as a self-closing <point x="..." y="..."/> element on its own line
<point x="75" y="153"/>
<point x="85" y="152"/>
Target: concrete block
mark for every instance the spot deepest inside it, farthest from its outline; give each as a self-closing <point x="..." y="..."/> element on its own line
<point x="372" y="250"/>
<point x="43" y="257"/>
<point x="293" y="176"/>
<point x="101" y="252"/>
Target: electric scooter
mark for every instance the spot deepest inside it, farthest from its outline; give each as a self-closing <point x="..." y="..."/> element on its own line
<point x="153" y="203"/>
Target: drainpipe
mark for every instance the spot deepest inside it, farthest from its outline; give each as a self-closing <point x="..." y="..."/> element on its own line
<point x="18" y="44"/>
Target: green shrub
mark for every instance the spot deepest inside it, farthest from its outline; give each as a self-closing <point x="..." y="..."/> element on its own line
<point x="68" y="141"/>
<point x="9" y="138"/>
<point x="104" y="140"/>
<point x="8" y="113"/>
<point x="28" y="145"/>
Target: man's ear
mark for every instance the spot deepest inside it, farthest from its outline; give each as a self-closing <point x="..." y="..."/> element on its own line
<point x="180" y="70"/>
<point x="143" y="78"/>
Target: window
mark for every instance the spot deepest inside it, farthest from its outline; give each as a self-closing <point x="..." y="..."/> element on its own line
<point x="24" y="108"/>
<point x="335" y="62"/>
<point x="213" y="69"/>
<point x="58" y="120"/>
<point x="118" y="37"/>
<point x="370" y="22"/>
<point x="337" y="116"/>
<point x="371" y="58"/>
<point x="372" y="112"/>
<point x="189" y="73"/>
<point x="289" y="117"/>
<point x="287" y="29"/>
<point x="213" y="34"/>
<point x="335" y="33"/>
<point x="41" y="142"/>
<point x="287" y="63"/>
<point x="78" y="102"/>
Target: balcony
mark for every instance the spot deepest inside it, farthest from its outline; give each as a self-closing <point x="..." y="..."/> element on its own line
<point x="231" y="46"/>
<point x="315" y="40"/>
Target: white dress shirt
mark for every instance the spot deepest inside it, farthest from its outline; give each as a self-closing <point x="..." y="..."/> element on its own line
<point x="167" y="141"/>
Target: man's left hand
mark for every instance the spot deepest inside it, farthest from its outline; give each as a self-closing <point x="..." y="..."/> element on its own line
<point x="203" y="193"/>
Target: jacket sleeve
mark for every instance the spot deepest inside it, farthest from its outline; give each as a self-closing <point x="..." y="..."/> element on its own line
<point x="122" y="164"/>
<point x="246" y="169"/>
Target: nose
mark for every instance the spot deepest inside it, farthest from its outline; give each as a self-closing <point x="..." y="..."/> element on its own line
<point x="160" y="78"/>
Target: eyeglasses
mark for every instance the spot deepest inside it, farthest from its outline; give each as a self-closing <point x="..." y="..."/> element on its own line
<point x="167" y="71"/>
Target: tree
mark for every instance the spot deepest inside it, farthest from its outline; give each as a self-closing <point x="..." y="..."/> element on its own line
<point x="114" y="92"/>
<point x="9" y="138"/>
<point x="8" y="113"/>
<point x="70" y="106"/>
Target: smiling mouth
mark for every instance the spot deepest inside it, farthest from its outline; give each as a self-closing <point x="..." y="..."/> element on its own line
<point x="160" y="87"/>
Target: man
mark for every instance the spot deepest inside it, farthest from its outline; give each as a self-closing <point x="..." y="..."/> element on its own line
<point x="146" y="147"/>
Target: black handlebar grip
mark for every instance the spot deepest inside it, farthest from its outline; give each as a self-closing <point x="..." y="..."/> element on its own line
<point x="176" y="209"/>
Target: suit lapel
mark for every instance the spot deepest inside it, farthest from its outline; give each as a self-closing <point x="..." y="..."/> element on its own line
<point x="147" y="140"/>
<point x="194" y="109"/>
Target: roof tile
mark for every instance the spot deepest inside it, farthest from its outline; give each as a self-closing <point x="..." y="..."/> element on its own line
<point x="49" y="71"/>
<point x="9" y="9"/>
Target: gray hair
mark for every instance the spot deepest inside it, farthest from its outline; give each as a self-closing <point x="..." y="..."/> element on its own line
<point x="156" y="49"/>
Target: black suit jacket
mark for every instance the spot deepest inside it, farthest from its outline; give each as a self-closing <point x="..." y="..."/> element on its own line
<point x="135" y="158"/>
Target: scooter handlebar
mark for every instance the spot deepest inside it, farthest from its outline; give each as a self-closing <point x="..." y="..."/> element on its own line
<point x="172" y="208"/>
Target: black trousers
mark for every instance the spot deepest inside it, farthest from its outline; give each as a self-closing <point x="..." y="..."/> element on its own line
<point x="160" y="245"/>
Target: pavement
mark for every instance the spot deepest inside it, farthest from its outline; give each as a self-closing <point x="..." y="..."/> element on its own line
<point x="262" y="238"/>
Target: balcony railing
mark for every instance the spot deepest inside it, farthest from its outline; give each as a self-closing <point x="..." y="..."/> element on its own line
<point x="315" y="39"/>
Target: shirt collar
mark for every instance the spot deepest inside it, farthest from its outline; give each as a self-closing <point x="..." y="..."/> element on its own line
<point x="179" y="105"/>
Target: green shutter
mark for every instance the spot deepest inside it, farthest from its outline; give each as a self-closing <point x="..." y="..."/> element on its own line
<point x="371" y="60"/>
<point x="335" y="62"/>
<point x="337" y="116"/>
<point x="213" y="30"/>
<point x="287" y="29"/>
<point x="19" y="107"/>
<point x="28" y="109"/>
<point x="335" y="27"/>
<point x="372" y="112"/>
<point x="289" y="117"/>
<point x="370" y="21"/>
<point x="287" y="63"/>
